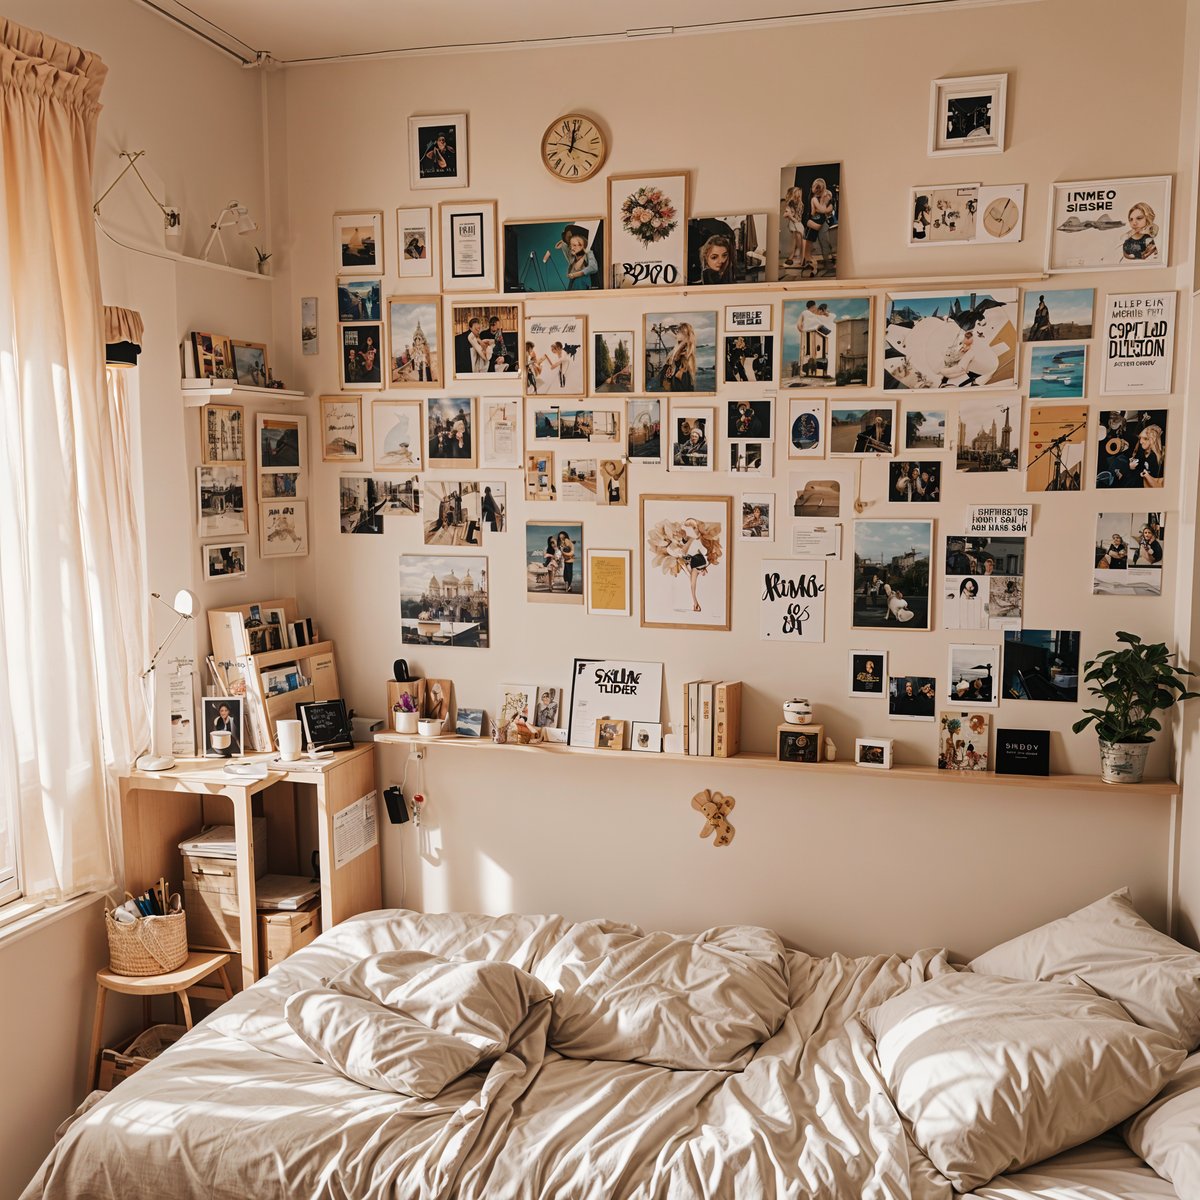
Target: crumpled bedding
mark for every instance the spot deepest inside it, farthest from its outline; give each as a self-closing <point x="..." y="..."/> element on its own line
<point x="239" y="1108"/>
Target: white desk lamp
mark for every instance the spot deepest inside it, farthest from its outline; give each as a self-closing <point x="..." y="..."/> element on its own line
<point x="184" y="606"/>
<point x="233" y="216"/>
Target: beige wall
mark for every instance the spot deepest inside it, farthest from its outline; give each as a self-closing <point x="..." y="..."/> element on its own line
<point x="594" y="837"/>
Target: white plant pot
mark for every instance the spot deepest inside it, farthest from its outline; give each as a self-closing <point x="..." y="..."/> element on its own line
<point x="1123" y="762"/>
<point x="405" y="722"/>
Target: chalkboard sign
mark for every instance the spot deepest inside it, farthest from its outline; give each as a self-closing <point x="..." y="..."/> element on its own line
<point x="326" y="725"/>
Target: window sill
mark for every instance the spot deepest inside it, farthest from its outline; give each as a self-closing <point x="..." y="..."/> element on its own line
<point x="29" y="917"/>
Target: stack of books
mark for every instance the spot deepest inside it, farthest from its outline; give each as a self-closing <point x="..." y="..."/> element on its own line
<point x="714" y="718"/>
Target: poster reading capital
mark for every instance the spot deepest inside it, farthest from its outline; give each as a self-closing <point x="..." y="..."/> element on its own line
<point x="1138" y="345"/>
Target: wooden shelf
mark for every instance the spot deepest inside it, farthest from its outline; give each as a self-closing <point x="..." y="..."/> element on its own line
<point x="844" y="768"/>
<point x="199" y="392"/>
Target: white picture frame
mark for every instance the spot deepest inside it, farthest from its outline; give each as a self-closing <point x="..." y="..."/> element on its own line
<point x="221" y="500"/>
<point x="975" y="104"/>
<point x="467" y="244"/>
<point x="438" y="151"/>
<point x="966" y="663"/>
<point x="1098" y="243"/>
<point x="500" y="427"/>
<point x="282" y="528"/>
<point x="358" y="243"/>
<point x="873" y="753"/>
<point x="414" y="243"/>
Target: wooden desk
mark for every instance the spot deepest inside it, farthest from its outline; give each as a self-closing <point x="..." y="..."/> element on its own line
<point x="160" y="809"/>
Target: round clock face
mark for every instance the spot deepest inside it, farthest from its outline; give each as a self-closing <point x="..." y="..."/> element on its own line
<point x="1000" y="217"/>
<point x="573" y="148"/>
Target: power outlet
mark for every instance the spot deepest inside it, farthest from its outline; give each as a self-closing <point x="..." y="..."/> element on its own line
<point x="173" y="222"/>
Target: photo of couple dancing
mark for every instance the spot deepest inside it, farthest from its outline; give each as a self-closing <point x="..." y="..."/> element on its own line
<point x="485" y="341"/>
<point x="808" y="221"/>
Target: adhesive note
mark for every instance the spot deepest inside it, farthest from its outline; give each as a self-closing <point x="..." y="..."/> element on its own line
<point x="355" y="829"/>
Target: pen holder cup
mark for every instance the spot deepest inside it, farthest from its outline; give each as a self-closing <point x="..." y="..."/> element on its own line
<point x="150" y="946"/>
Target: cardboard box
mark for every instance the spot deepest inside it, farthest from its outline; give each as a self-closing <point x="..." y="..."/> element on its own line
<point x="117" y="1065"/>
<point x="281" y="933"/>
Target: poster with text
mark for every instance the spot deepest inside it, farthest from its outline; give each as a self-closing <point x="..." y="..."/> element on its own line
<point x="792" y="601"/>
<point x="1139" y="344"/>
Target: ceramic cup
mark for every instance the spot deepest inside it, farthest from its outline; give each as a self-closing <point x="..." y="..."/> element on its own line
<point x="405" y="722"/>
<point x="220" y="739"/>
<point x="429" y="727"/>
<point x="289" y="739"/>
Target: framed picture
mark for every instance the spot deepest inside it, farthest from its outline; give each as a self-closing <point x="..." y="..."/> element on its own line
<point x="540" y="483"/>
<point x="892" y="574"/>
<point x="437" y="696"/>
<point x="396" y="435"/>
<point x="680" y="352"/>
<point x="965" y="214"/>
<point x="798" y="743"/>
<point x="221" y="500"/>
<point x="611" y="689"/>
<point x="358" y="243"/>
<point x="212" y="356"/>
<point x="1056" y="447"/>
<point x="414" y="237"/>
<point x="612" y="482"/>
<point x="868" y="670"/>
<point x="924" y="430"/>
<point x="276" y="484"/>
<point x="309" y="329"/>
<point x="500" y="433"/>
<point x="966" y="115"/>
<point x="362" y="355"/>
<point x="1109" y="224"/>
<point x="468" y="722"/>
<point x="1057" y="372"/>
<point x="914" y="481"/>
<point x="643" y="425"/>
<point x="748" y="359"/>
<point x="693" y="438"/>
<point x="1140" y="345"/>
<point x="758" y="517"/>
<point x="1128" y="554"/>
<point x="612" y="361"/>
<point x="1058" y="315"/>
<point x="250" y="363"/>
<point x="963" y="739"/>
<point x="810" y="205"/>
<point x="873" y="752"/>
<point x="686" y="575"/>
<point x="280" y="442"/>
<point x="563" y="255"/>
<point x="415" y="342"/>
<point x="610" y="734"/>
<point x="554" y="556"/>
<point x="444" y="602"/>
<point x="468" y="246"/>
<point x="555" y="356"/>
<point x="516" y="706"/>
<point x="805" y="428"/>
<point x="224" y="560"/>
<point x="326" y="725"/>
<point x="452" y="511"/>
<point x="222" y="433"/>
<point x="437" y="151"/>
<point x="222" y="717"/>
<point x="487" y="340"/>
<point x="826" y="342"/>
<point x="1041" y="664"/>
<point x="1131" y="448"/>
<point x="360" y="299"/>
<point x="856" y="431"/>
<point x="361" y="504"/>
<point x="647" y="230"/>
<point x="450" y="432"/>
<point x="341" y="429"/>
<point x="989" y="430"/>
<point x="282" y="529"/>
<point x="751" y="456"/>
<point x="547" y="707"/>
<point x="973" y="675"/>
<point x="727" y="249"/>
<point x="578" y="479"/>
<point x="646" y="736"/>
<point x="609" y="578"/>
<point x="912" y="697"/>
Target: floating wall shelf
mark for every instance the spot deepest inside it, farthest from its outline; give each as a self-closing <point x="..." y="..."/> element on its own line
<point x="199" y="392"/>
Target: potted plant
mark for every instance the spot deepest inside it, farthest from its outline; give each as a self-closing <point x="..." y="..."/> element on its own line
<point x="404" y="714"/>
<point x="1134" y="684"/>
<point x="264" y="256"/>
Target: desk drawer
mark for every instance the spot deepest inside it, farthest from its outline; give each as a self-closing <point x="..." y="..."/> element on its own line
<point x="212" y="918"/>
<point x="281" y="934"/>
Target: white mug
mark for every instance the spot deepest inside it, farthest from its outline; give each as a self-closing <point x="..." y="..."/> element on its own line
<point x="220" y="739"/>
<point x="288" y="739"/>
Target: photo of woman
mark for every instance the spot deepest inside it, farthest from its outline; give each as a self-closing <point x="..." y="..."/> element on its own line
<point x="809" y="218"/>
<point x="691" y="449"/>
<point x="1131" y="449"/>
<point x="681" y="352"/>
<point x="685" y="570"/>
<point x="555" y="354"/>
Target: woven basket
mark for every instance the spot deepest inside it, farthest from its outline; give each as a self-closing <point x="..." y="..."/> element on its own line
<point x="151" y="947"/>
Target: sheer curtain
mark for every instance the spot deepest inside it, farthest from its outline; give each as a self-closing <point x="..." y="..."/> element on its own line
<point x="71" y="600"/>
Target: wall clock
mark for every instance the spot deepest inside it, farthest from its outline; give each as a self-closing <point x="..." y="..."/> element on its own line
<point x="573" y="148"/>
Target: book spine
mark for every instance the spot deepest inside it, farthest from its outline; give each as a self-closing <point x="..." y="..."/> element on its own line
<point x="693" y="711"/>
<point x="721" y="721"/>
<point x="704" y="728"/>
<point x="727" y="739"/>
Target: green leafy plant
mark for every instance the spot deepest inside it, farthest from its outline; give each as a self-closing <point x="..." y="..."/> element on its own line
<point x="1134" y="684"/>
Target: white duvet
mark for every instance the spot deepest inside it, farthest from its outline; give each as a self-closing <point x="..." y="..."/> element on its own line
<point x="241" y="1108"/>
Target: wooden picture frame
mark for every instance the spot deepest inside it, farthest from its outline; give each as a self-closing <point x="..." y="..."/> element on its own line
<point x="414" y="243"/>
<point x="222" y="434"/>
<point x="450" y="442"/>
<point x="413" y="360"/>
<point x="358" y="242"/>
<point x="630" y="260"/>
<point x="438" y="151"/>
<point x="546" y="257"/>
<point x="398" y="446"/>
<point x="211" y="355"/>
<point x="341" y="429"/>
<point x="361" y="355"/>
<point x="282" y="528"/>
<point x="551" y="372"/>
<point x="671" y="527"/>
<point x="223" y="560"/>
<point x="491" y="352"/>
<point x="468" y="240"/>
<point x="610" y="733"/>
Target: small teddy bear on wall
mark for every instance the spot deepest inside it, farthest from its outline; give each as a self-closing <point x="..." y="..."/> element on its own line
<point x="716" y="809"/>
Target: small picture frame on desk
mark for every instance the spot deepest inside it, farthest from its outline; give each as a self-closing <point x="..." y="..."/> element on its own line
<point x="875" y="753"/>
<point x="326" y="725"/>
<point x="1022" y="752"/>
<point x="223" y="729"/>
<point x="646" y="736"/>
<point x="610" y="734"/>
<point x="799" y="743"/>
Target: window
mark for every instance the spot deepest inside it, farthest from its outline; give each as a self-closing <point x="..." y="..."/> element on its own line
<point x="10" y="879"/>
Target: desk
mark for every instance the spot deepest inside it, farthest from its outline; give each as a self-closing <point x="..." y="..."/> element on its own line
<point x="160" y="809"/>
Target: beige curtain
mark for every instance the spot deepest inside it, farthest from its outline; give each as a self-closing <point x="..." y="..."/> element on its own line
<point x="71" y="599"/>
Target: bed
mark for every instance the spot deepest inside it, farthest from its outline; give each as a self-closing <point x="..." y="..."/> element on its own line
<point x="630" y="1065"/>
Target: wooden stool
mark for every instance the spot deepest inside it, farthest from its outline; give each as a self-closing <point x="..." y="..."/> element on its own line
<point x="199" y="965"/>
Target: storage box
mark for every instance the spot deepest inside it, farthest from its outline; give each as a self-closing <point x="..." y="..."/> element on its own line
<point x="116" y="1065"/>
<point x="793" y="744"/>
<point x="210" y="895"/>
<point x="282" y="933"/>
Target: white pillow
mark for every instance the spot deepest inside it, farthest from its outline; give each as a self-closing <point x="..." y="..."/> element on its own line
<point x="993" y="1074"/>
<point x="1166" y="1133"/>
<point x="1112" y="949"/>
